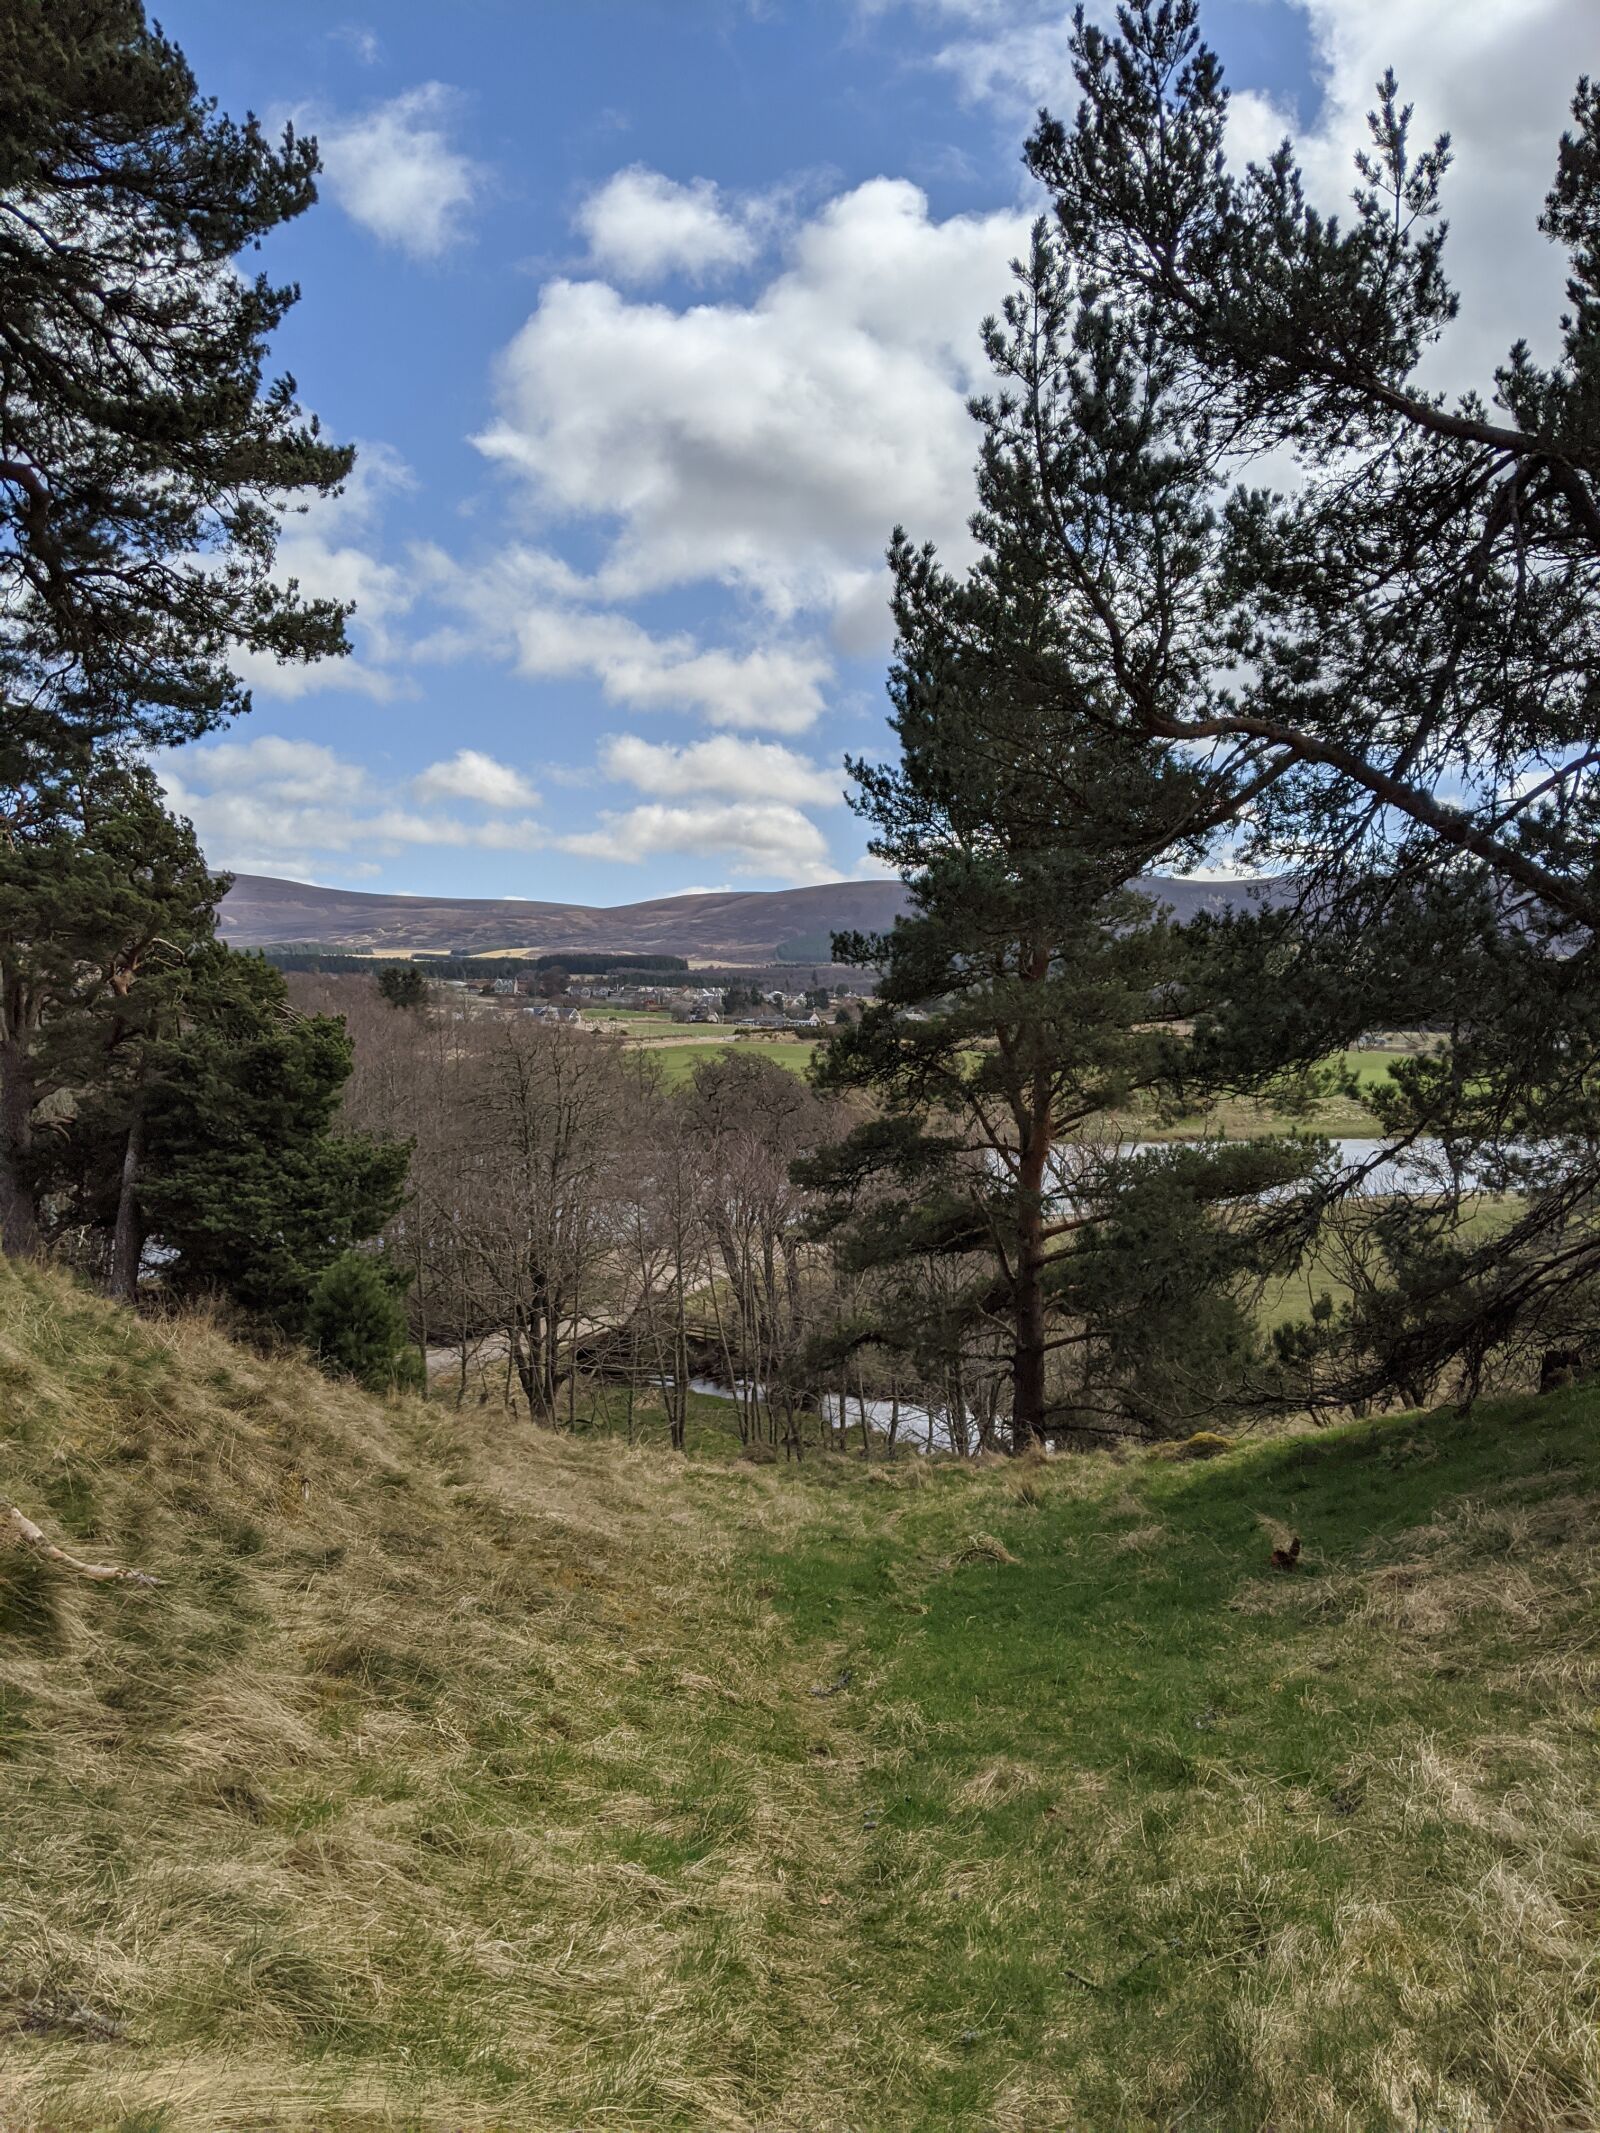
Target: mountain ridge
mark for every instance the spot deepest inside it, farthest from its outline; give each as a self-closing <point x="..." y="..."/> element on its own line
<point x="732" y="926"/>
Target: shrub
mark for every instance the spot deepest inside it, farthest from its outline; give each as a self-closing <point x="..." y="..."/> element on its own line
<point x="357" y="1325"/>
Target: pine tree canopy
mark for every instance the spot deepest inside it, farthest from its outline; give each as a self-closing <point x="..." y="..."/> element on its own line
<point x="1390" y="670"/>
<point x="143" y="459"/>
<point x="1026" y="999"/>
<point x="1383" y="682"/>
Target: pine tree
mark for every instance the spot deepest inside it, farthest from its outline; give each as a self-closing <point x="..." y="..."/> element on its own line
<point x="1381" y="684"/>
<point x="1027" y="995"/>
<point x="103" y="898"/>
<point x="403" y="985"/>
<point x="143" y="461"/>
<point x="167" y="1094"/>
<point x="248" y="1186"/>
<point x="356" y="1324"/>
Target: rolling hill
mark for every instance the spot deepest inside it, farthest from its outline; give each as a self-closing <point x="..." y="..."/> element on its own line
<point x="739" y="926"/>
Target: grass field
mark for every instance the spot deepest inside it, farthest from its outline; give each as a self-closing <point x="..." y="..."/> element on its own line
<point x="1235" y="1118"/>
<point x="1239" y="1117"/>
<point x="633" y="1024"/>
<point x="678" y="1061"/>
<point x="462" y="1776"/>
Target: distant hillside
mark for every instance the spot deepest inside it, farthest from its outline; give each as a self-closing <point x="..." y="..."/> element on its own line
<point x="741" y="926"/>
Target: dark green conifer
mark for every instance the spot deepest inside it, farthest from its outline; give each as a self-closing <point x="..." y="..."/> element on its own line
<point x="357" y="1324"/>
<point x="143" y="458"/>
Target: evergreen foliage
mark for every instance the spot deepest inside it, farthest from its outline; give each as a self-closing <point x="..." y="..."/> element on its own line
<point x="159" y="1091"/>
<point x="142" y="458"/>
<point x="1026" y="995"/>
<point x="1382" y="683"/>
<point x="103" y="897"/>
<point x="357" y="1325"/>
<point x="403" y="985"/>
<point x="250" y="1188"/>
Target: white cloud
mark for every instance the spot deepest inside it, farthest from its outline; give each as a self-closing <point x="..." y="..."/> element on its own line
<point x="269" y="804"/>
<point x="395" y="171"/>
<point x="361" y="41"/>
<point x="759" y="839"/>
<point x="1498" y="76"/>
<point x="642" y="226"/>
<point x="526" y="605"/>
<point x="471" y="775"/>
<point x="326" y="548"/>
<point x="293" y="771"/>
<point x="273" y="805"/>
<point x="721" y="765"/>
<point x="768" y="446"/>
<point x="777" y="687"/>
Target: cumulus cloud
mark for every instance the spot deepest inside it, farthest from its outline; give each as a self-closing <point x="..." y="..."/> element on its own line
<point x="722" y="765"/>
<point x="642" y="226"/>
<point x="770" y="445"/>
<point x="775" y="686"/>
<point x="527" y="605"/>
<point x="395" y="170"/>
<point x="1498" y="76"/>
<point x="766" y="839"/>
<point x="471" y="775"/>
<point x="272" y="804"/>
<point x="293" y="771"/>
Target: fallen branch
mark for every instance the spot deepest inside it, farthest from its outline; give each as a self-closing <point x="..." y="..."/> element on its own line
<point x="103" y="1573"/>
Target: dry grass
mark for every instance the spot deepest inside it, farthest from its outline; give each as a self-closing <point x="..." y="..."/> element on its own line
<point x="462" y="1776"/>
<point x="398" y="1797"/>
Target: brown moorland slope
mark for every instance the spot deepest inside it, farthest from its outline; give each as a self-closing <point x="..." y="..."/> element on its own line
<point x="737" y="926"/>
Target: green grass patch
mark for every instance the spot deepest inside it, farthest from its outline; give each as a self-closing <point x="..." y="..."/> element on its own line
<point x="575" y="1784"/>
<point x="678" y="1061"/>
<point x="1161" y="1835"/>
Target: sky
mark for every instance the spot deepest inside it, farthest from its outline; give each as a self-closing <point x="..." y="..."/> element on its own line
<point x="650" y="319"/>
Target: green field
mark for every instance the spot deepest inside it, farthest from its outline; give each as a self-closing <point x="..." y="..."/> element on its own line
<point x="1239" y="1117"/>
<point x="459" y="1774"/>
<point x="627" y="1022"/>
<point x="678" y="1061"/>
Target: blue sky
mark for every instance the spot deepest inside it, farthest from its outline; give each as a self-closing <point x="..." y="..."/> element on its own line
<point x="650" y="318"/>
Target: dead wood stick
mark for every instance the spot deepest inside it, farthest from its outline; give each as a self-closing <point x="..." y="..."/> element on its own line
<point x="104" y="1573"/>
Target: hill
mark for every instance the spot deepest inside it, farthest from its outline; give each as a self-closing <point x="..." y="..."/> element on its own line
<point x="731" y="927"/>
<point x="462" y="1775"/>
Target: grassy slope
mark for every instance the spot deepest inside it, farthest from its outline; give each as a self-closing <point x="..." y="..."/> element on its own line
<point x="464" y="1777"/>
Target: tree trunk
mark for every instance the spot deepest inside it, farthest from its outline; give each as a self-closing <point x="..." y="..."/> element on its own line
<point x="1028" y="1359"/>
<point x="127" y="1235"/>
<point x="679" y="1411"/>
<point x="1027" y="1370"/>
<point x="19" y="1214"/>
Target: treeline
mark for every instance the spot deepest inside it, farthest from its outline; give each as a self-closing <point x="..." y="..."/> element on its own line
<point x="576" y="1227"/>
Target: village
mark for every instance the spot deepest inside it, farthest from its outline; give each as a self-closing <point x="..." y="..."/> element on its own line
<point x="644" y="1011"/>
